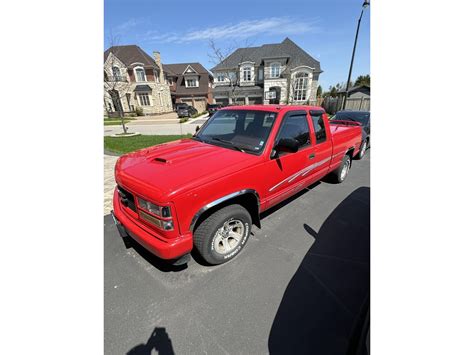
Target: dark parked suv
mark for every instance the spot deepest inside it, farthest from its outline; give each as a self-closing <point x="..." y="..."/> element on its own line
<point x="212" y="108"/>
<point x="184" y="110"/>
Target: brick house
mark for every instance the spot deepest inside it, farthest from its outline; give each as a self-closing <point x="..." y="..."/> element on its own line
<point x="133" y="79"/>
<point x="189" y="83"/>
<point x="270" y="74"/>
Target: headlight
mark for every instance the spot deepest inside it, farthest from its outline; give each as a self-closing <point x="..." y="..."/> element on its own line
<point x="154" y="209"/>
<point x="165" y="225"/>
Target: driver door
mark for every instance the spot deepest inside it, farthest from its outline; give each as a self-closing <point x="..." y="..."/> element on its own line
<point x="284" y="170"/>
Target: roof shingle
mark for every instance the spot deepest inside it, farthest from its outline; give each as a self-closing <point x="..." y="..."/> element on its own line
<point x="130" y="54"/>
<point x="286" y="49"/>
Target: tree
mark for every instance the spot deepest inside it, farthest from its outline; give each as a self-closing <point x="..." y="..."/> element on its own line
<point x="231" y="75"/>
<point x="362" y="80"/>
<point x="319" y="91"/>
<point x="116" y="82"/>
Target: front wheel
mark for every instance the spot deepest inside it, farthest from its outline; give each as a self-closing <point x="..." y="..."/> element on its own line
<point x="222" y="235"/>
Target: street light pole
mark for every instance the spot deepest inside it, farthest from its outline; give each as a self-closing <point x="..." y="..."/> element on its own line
<point x="364" y="5"/>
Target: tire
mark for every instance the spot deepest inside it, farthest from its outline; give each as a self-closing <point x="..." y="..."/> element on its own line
<point x="363" y="149"/>
<point x="215" y="243"/>
<point x="340" y="174"/>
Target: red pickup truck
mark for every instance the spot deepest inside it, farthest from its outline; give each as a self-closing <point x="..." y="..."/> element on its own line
<point x="207" y="191"/>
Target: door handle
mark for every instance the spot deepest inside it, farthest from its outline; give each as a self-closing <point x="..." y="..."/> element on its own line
<point x="311" y="156"/>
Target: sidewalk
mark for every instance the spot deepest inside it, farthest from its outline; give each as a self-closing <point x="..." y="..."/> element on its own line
<point x="109" y="182"/>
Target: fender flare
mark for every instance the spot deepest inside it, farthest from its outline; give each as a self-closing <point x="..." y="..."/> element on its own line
<point x="223" y="199"/>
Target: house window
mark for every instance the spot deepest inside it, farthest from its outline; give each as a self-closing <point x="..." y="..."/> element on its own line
<point x="220" y="77"/>
<point x="144" y="99"/>
<point x="160" y="98"/>
<point x="247" y="74"/>
<point x="191" y="83"/>
<point x="275" y="70"/>
<point x="260" y="73"/>
<point x="170" y="81"/>
<point x="140" y="74"/>
<point x="116" y="73"/>
<point x="232" y="76"/>
<point x="300" y="87"/>
<point x="157" y="75"/>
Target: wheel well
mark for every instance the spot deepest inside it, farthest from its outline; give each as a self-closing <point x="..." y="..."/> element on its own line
<point x="350" y="153"/>
<point x="249" y="201"/>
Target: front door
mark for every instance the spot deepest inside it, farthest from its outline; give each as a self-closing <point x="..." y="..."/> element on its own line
<point x="284" y="171"/>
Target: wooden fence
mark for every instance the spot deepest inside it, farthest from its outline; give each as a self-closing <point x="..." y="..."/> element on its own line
<point x="334" y="104"/>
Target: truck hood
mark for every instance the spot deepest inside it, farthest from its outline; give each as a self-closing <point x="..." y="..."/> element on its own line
<point x="169" y="169"/>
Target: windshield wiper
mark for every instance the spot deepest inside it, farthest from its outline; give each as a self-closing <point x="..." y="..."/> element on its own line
<point x="228" y="142"/>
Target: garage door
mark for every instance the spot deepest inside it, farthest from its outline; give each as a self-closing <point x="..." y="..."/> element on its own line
<point x="223" y="102"/>
<point x="240" y="100"/>
<point x="255" y="100"/>
<point x="200" y="105"/>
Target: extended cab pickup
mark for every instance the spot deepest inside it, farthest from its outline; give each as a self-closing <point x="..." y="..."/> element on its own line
<point x="207" y="191"/>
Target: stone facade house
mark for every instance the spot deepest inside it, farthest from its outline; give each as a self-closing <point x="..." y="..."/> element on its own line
<point x="189" y="83"/>
<point x="280" y="73"/>
<point x="133" y="79"/>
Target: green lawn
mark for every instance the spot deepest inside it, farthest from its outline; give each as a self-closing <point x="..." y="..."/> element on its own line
<point x="129" y="144"/>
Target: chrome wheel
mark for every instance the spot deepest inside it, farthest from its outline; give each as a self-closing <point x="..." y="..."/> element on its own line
<point x="228" y="236"/>
<point x="363" y="148"/>
<point x="345" y="169"/>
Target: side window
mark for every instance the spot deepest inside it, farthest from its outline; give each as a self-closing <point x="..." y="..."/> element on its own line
<point x="318" y="123"/>
<point x="296" y="127"/>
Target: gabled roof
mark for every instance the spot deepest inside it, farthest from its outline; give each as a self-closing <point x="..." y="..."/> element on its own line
<point x="179" y="68"/>
<point x="130" y="54"/>
<point x="286" y="49"/>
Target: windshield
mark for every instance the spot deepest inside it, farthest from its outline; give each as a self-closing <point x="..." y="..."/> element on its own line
<point x="361" y="117"/>
<point x="244" y="130"/>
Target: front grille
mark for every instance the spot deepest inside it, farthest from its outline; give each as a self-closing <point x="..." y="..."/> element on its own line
<point x="127" y="199"/>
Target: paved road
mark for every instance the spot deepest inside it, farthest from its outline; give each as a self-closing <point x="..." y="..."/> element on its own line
<point x="296" y="288"/>
<point x="157" y="127"/>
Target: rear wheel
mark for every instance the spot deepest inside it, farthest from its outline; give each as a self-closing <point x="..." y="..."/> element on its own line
<point x="341" y="173"/>
<point x="363" y="149"/>
<point x="222" y="235"/>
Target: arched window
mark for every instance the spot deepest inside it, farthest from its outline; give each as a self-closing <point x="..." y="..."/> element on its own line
<point x="140" y="74"/>
<point x="247" y="73"/>
<point x="157" y="75"/>
<point x="116" y="73"/>
<point x="275" y="69"/>
<point x="300" y="87"/>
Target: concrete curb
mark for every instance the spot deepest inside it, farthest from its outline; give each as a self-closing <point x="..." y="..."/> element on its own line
<point x="134" y="134"/>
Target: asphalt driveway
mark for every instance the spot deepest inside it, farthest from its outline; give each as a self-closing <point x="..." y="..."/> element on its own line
<point x="298" y="286"/>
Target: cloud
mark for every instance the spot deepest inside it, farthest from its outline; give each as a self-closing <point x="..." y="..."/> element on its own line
<point x="243" y="29"/>
<point x="127" y="25"/>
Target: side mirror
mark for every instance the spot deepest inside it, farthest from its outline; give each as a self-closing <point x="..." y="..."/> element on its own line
<point x="287" y="145"/>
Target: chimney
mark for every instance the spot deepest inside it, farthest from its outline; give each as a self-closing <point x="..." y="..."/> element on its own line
<point x="157" y="56"/>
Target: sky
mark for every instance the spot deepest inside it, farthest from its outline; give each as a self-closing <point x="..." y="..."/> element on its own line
<point x="181" y="29"/>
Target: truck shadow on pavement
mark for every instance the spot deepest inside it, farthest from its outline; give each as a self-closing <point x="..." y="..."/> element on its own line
<point x="158" y="341"/>
<point x="325" y="306"/>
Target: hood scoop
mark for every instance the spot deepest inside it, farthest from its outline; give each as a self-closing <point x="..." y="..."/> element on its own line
<point x="161" y="160"/>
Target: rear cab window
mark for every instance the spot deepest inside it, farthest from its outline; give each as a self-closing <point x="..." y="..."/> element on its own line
<point x="319" y="127"/>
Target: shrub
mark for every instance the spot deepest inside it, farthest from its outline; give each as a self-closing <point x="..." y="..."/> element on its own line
<point x="184" y="119"/>
<point x="139" y="111"/>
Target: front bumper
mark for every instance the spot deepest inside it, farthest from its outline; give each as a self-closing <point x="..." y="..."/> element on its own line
<point x="160" y="246"/>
